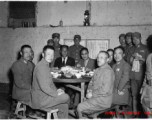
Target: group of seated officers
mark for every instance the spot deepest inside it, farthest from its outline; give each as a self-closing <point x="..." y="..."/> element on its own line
<point x="117" y="79"/>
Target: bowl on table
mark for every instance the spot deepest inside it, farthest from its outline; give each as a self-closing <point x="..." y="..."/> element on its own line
<point x="78" y="75"/>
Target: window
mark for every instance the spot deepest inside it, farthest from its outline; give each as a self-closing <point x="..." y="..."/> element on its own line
<point x="22" y="12"/>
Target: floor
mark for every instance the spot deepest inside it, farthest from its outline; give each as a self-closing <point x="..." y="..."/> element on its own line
<point x="5" y="109"/>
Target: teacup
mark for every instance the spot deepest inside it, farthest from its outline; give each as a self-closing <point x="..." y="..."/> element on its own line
<point x="78" y="75"/>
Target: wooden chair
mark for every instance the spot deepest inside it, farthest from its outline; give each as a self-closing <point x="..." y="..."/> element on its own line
<point x="48" y="114"/>
<point x="20" y="110"/>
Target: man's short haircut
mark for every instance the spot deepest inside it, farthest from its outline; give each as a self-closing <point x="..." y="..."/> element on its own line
<point x="48" y="47"/>
<point x="25" y="46"/>
<point x="49" y="41"/>
<point x="105" y="52"/>
<point x="64" y="46"/>
<point x="84" y="48"/>
<point x="120" y="47"/>
<point x="110" y="50"/>
<point x="121" y="35"/>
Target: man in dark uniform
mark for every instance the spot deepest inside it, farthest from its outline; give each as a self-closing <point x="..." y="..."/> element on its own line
<point x="57" y="45"/>
<point x="74" y="50"/>
<point x="137" y="59"/>
<point x="129" y="43"/>
<point x="22" y="71"/>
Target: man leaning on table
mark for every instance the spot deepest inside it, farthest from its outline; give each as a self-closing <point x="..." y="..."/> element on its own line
<point x="100" y="89"/>
<point x="45" y="95"/>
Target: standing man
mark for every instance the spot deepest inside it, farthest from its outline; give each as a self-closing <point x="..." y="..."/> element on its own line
<point x="129" y="43"/>
<point x="57" y="45"/>
<point x="138" y="61"/>
<point x="100" y="89"/>
<point x="44" y="93"/>
<point x="74" y="50"/>
<point x="122" y="81"/>
<point x="22" y="71"/>
<point x="122" y="42"/>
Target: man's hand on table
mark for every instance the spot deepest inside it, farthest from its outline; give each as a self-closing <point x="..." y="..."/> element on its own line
<point x="60" y="91"/>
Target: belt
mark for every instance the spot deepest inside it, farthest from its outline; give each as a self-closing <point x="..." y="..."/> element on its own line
<point x="149" y="82"/>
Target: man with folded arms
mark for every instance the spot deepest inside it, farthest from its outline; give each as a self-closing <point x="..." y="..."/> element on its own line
<point x="45" y="95"/>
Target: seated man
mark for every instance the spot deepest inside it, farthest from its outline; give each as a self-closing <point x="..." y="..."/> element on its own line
<point x="86" y="61"/>
<point x="65" y="59"/>
<point x="44" y="93"/>
<point x="22" y="71"/>
<point x="122" y="81"/>
<point x="100" y="89"/>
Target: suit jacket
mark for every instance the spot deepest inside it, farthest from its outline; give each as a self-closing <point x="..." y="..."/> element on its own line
<point x="43" y="88"/>
<point x="58" y="62"/>
<point x="102" y="85"/>
<point x="90" y="64"/>
<point x="122" y="82"/>
<point x="22" y="73"/>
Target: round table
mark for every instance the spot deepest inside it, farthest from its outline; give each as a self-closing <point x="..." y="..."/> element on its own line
<point x="70" y="82"/>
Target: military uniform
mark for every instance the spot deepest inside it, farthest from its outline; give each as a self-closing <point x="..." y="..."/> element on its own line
<point x="44" y="92"/>
<point x="22" y="71"/>
<point x="57" y="48"/>
<point x="101" y="85"/>
<point x="122" y="82"/>
<point x="129" y="54"/>
<point x="137" y="77"/>
<point x="74" y="52"/>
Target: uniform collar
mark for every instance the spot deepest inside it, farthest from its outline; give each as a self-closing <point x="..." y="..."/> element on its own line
<point x="121" y="62"/>
<point x="103" y="66"/>
<point x="24" y="61"/>
<point x="45" y="62"/>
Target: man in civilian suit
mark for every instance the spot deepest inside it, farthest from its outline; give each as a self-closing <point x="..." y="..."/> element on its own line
<point x="45" y="95"/>
<point x="65" y="60"/>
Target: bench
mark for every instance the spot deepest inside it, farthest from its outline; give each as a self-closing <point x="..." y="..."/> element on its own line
<point x="95" y="114"/>
<point x="21" y="107"/>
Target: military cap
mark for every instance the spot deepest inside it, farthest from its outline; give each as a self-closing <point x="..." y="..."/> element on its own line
<point x="136" y="35"/>
<point x="129" y="34"/>
<point x="55" y="35"/>
<point x="77" y="36"/>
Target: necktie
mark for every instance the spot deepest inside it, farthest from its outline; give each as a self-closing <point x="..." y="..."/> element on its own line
<point x="63" y="62"/>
